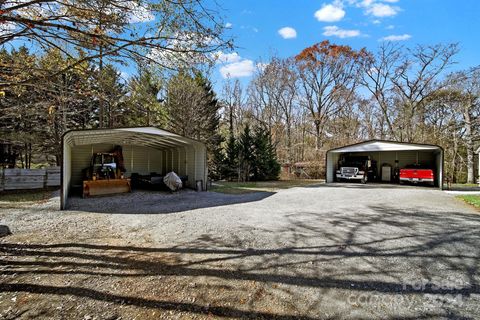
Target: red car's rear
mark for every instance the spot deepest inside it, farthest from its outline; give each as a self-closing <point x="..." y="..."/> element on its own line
<point x="417" y="174"/>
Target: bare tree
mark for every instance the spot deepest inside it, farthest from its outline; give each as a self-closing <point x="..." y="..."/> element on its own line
<point x="467" y="84"/>
<point x="401" y="81"/>
<point x="273" y="94"/>
<point x="233" y="101"/>
<point x="171" y="32"/>
<point x="329" y="77"/>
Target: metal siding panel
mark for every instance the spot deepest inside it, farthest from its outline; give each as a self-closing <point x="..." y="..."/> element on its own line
<point x="156" y="161"/>
<point x="181" y="161"/>
<point x="190" y="165"/>
<point x="406" y="157"/>
<point x="165" y="161"/>
<point x="103" y="147"/>
<point x="439" y="164"/>
<point x="127" y="159"/>
<point x="140" y="160"/>
<point x="426" y="158"/>
<point x="169" y="160"/>
<point x="200" y="164"/>
<point x="330" y="169"/>
<point x="80" y="159"/>
<point x="175" y="160"/>
<point x="67" y="173"/>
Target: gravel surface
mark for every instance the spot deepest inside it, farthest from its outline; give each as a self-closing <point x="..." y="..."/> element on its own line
<point x="333" y="251"/>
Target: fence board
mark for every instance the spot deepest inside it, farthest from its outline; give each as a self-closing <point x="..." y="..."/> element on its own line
<point x="22" y="179"/>
<point x="24" y="172"/>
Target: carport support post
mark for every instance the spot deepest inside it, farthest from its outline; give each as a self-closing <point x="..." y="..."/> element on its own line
<point x="478" y="177"/>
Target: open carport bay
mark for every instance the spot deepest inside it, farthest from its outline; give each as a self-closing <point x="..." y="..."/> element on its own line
<point x="390" y="154"/>
<point x="145" y="150"/>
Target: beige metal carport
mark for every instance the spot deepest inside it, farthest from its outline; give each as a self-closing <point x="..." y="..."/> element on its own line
<point x="389" y="153"/>
<point x="145" y="150"/>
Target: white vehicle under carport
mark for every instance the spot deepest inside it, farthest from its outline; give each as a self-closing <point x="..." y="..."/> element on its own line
<point x="357" y="168"/>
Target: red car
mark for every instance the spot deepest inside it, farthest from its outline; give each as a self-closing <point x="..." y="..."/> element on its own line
<point x="417" y="174"/>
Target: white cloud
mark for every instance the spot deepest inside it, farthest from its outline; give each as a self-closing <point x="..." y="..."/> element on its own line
<point x="366" y="3"/>
<point x="390" y="27"/>
<point x="244" y="68"/>
<point x="228" y="25"/>
<point x="233" y="65"/>
<point x="341" y="33"/>
<point x="382" y="10"/>
<point x="330" y="13"/>
<point x="287" y="33"/>
<point x="401" y="37"/>
<point x="222" y="57"/>
<point x="139" y="13"/>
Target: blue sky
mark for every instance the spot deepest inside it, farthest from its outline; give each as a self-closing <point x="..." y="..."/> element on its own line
<point x="255" y="26"/>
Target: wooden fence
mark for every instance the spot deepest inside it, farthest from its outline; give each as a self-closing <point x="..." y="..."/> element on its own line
<point x="24" y="179"/>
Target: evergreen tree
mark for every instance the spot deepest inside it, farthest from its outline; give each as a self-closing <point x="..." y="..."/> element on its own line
<point x="193" y="111"/>
<point x="246" y="154"/>
<point x="265" y="164"/>
<point x="145" y="108"/>
<point x="209" y="122"/>
<point x="230" y="162"/>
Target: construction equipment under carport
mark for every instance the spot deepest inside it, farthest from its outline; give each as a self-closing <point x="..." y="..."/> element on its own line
<point x="146" y="151"/>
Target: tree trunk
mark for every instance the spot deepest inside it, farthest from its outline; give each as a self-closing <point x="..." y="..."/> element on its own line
<point x="454" y="159"/>
<point x="318" y="132"/>
<point x="469" y="144"/>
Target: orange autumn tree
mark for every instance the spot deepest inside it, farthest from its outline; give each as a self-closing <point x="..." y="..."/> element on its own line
<point x="329" y="75"/>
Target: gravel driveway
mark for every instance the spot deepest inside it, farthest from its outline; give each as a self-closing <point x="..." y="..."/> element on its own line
<point x="330" y="252"/>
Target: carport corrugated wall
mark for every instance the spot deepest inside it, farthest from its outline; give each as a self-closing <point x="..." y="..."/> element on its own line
<point x="137" y="159"/>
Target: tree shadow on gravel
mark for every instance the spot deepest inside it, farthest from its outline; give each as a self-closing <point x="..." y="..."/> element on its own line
<point x="155" y="202"/>
<point x="372" y="185"/>
<point x="360" y="253"/>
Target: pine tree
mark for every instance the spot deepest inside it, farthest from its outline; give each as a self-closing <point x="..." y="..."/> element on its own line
<point x="193" y="111"/>
<point x="246" y="154"/>
<point x="145" y="109"/>
<point x="231" y="164"/>
<point x="209" y="120"/>
<point x="265" y="164"/>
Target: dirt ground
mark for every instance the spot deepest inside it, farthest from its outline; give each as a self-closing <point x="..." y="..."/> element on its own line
<point x="310" y="252"/>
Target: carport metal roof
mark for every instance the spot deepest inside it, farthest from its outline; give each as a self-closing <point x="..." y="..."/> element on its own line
<point x="144" y="136"/>
<point x="381" y="145"/>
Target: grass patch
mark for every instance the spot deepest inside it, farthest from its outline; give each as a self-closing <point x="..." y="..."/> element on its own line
<point x="462" y="187"/>
<point x="24" y="196"/>
<point x="268" y="186"/>
<point x="474" y="200"/>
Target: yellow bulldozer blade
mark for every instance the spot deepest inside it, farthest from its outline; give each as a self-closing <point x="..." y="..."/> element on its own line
<point x="102" y="187"/>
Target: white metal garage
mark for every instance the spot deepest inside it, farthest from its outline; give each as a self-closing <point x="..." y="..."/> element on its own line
<point x="389" y="153"/>
<point x="145" y="150"/>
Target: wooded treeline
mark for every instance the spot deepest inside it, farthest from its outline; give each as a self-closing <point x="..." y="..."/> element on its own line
<point x="292" y="110"/>
<point x="330" y="95"/>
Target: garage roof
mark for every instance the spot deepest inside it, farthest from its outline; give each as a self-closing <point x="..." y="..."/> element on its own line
<point x="381" y="145"/>
<point x="144" y="136"/>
